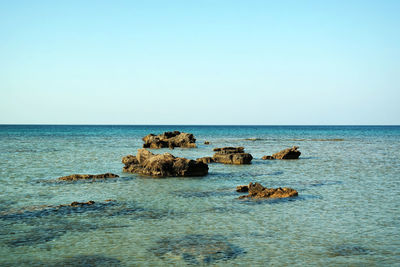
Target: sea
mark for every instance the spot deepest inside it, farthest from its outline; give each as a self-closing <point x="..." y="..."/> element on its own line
<point x="347" y="212"/>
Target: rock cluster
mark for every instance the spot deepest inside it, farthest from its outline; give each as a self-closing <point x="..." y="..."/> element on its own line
<point x="170" y="140"/>
<point x="231" y="155"/>
<point x="256" y="190"/>
<point x="289" y="153"/>
<point x="75" y="177"/>
<point x="162" y="165"/>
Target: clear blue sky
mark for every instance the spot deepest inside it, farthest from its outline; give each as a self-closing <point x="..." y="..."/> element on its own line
<point x="200" y="62"/>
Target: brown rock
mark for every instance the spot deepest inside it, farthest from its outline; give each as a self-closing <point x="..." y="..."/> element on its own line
<point x="229" y="150"/>
<point x="80" y="204"/>
<point x="206" y="142"/>
<point x="289" y="153"/>
<point x="169" y="139"/>
<point x="256" y="191"/>
<point x="232" y="155"/>
<point x="163" y="165"/>
<point x="75" y="177"/>
<point x="267" y="157"/>
<point x="206" y="160"/>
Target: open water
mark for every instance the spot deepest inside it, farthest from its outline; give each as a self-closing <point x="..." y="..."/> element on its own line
<point x="347" y="211"/>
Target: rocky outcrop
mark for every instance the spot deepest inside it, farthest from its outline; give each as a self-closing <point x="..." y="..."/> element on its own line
<point x="206" y="142"/>
<point x="170" y="140"/>
<point x="163" y="165"/>
<point x="289" y="153"/>
<point x="206" y="160"/>
<point x="232" y="155"/>
<point x="75" y="177"/>
<point x="256" y="191"/>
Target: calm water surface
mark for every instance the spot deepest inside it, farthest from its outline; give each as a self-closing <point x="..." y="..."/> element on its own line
<point x="347" y="212"/>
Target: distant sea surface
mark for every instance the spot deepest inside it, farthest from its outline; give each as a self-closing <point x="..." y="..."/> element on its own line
<point x="347" y="212"/>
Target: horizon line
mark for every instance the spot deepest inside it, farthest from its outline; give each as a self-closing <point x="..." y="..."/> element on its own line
<point x="101" y="124"/>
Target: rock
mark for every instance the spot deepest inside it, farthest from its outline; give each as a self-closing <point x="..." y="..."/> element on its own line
<point x="170" y="140"/>
<point x="75" y="177"/>
<point x="267" y="157"/>
<point x="206" y="142"/>
<point x="80" y="204"/>
<point x="242" y="188"/>
<point x="289" y="153"/>
<point x="232" y="155"/>
<point x="229" y="150"/>
<point x="163" y="165"/>
<point x="256" y="191"/>
<point x="206" y="160"/>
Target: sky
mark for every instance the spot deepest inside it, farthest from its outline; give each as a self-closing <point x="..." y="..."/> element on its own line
<point x="200" y="62"/>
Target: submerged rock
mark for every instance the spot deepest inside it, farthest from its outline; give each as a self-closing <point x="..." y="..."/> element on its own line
<point x="197" y="249"/>
<point x="163" y="165"/>
<point x="170" y="140"/>
<point x="48" y="210"/>
<point x="289" y="153"/>
<point x="75" y="177"/>
<point x="206" y="142"/>
<point x="256" y="190"/>
<point x="232" y="155"/>
<point x="88" y="260"/>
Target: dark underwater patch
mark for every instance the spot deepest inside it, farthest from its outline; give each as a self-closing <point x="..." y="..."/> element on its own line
<point x="202" y="194"/>
<point x="89" y="261"/>
<point x="274" y="201"/>
<point x="46" y="231"/>
<point x="347" y="250"/>
<point x="76" y="261"/>
<point x="316" y="183"/>
<point x="197" y="249"/>
<point x="61" y="210"/>
<point x="30" y="215"/>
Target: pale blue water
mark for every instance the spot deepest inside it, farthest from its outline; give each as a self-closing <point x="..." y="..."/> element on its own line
<point x="347" y="212"/>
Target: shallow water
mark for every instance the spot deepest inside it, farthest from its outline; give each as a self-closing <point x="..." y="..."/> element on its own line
<point x="347" y="212"/>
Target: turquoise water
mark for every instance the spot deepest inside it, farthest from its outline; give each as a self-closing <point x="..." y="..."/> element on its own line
<point x="347" y="212"/>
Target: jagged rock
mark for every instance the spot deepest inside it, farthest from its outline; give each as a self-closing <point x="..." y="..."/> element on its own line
<point x="289" y="153"/>
<point x="80" y="204"/>
<point x="163" y="165"/>
<point x="206" y="160"/>
<point x="169" y="139"/>
<point x="75" y="177"/>
<point x="256" y="190"/>
<point x="206" y="142"/>
<point x="232" y="155"/>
